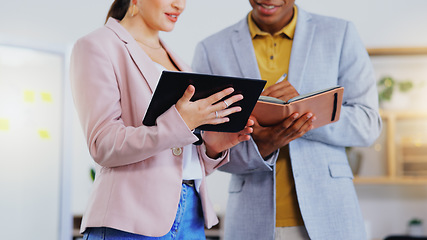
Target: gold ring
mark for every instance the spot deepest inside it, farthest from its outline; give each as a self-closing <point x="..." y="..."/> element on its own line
<point x="216" y="114"/>
<point x="226" y="104"/>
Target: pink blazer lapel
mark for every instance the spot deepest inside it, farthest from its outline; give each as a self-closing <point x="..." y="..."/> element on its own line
<point x="141" y="59"/>
<point x="144" y="63"/>
<point x="177" y="60"/>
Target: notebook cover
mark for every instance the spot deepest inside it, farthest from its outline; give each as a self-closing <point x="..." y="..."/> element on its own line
<point x="172" y="86"/>
<point x="326" y="106"/>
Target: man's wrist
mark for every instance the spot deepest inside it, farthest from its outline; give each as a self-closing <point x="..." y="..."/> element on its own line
<point x="268" y="156"/>
<point x="265" y="149"/>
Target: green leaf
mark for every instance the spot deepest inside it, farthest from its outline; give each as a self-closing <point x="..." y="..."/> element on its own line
<point x="405" y="86"/>
<point x="385" y="94"/>
<point x="386" y="82"/>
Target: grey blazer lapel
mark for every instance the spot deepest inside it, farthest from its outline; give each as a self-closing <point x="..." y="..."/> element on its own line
<point x="301" y="47"/>
<point x="244" y="50"/>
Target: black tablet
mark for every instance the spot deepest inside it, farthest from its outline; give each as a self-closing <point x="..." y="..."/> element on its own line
<point x="172" y="86"/>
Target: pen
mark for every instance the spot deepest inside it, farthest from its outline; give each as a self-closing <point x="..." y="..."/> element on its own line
<point x="282" y="78"/>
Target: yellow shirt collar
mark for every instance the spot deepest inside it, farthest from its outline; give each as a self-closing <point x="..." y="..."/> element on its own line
<point x="288" y="30"/>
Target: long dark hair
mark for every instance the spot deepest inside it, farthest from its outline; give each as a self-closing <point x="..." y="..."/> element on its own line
<point x="118" y="9"/>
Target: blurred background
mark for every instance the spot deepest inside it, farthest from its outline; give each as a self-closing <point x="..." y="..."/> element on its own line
<point x="45" y="167"/>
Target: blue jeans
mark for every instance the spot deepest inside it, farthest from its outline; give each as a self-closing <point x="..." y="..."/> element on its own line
<point x="188" y="224"/>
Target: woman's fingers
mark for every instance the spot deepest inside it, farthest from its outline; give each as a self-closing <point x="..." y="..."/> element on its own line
<point x="223" y="107"/>
<point x="216" y="142"/>
<point x="210" y="110"/>
<point x="229" y="101"/>
<point x="188" y="94"/>
<point x="226" y="112"/>
<point x="220" y="109"/>
<point x="215" y="99"/>
<point x="218" y="96"/>
<point x="218" y="117"/>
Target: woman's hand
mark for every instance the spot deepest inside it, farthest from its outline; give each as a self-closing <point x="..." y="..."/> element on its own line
<point x="217" y="142"/>
<point x="207" y="110"/>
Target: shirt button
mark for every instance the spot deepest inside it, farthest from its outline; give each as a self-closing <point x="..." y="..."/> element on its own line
<point x="176" y="151"/>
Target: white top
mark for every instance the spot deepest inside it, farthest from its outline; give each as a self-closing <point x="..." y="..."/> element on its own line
<point x="191" y="168"/>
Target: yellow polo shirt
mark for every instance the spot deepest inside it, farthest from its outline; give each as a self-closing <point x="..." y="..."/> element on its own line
<point x="273" y="53"/>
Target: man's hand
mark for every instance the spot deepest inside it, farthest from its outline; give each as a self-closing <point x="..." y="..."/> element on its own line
<point x="269" y="139"/>
<point x="282" y="90"/>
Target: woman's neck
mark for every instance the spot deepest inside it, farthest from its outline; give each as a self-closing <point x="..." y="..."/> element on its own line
<point x="148" y="39"/>
<point x="141" y="32"/>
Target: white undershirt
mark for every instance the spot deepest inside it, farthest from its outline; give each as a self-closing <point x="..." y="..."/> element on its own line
<point x="191" y="168"/>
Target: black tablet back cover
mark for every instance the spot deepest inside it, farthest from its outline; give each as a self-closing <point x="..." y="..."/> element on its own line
<point x="172" y="86"/>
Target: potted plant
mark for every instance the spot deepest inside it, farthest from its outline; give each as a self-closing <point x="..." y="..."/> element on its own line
<point x="389" y="92"/>
<point x="415" y="227"/>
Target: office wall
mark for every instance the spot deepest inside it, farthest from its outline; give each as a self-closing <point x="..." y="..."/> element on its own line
<point x="381" y="23"/>
<point x="30" y="142"/>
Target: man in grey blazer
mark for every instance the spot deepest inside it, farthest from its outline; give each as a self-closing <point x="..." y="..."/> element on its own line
<point x="324" y="52"/>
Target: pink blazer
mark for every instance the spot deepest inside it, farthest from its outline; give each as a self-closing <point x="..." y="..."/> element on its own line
<point x="138" y="184"/>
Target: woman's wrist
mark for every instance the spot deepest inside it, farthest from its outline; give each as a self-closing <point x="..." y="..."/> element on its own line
<point x="212" y="153"/>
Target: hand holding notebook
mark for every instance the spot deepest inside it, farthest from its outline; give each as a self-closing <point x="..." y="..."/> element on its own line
<point x="325" y="104"/>
<point x="172" y="85"/>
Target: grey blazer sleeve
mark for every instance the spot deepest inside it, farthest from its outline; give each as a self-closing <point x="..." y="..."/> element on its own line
<point x="360" y="123"/>
<point x="246" y="159"/>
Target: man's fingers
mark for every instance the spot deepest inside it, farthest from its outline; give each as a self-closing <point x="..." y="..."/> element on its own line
<point x="290" y="120"/>
<point x="300" y="126"/>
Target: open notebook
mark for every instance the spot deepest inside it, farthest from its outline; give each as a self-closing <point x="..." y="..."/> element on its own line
<point x="325" y="104"/>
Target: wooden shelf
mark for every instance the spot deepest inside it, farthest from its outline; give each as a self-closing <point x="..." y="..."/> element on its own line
<point x="397" y="51"/>
<point x="394" y="166"/>
<point x="402" y="114"/>
<point x="390" y="180"/>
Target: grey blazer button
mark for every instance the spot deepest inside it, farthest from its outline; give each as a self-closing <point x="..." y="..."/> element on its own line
<point x="177" y="151"/>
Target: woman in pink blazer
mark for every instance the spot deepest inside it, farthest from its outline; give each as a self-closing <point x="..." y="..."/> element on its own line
<point x="150" y="181"/>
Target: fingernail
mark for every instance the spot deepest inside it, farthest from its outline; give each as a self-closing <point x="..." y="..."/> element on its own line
<point x="309" y="115"/>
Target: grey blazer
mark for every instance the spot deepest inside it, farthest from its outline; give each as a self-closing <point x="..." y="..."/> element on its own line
<point x="326" y="52"/>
